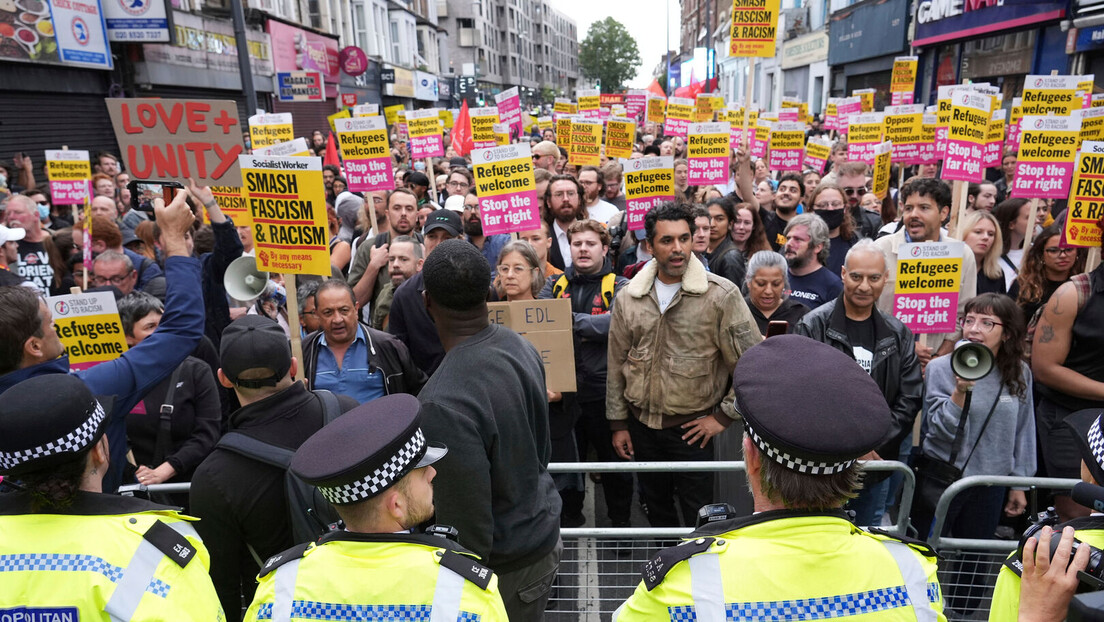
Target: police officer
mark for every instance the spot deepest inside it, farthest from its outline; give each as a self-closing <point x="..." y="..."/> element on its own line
<point x="799" y="556"/>
<point x="70" y="552"/>
<point x="373" y="464"/>
<point x="1087" y="429"/>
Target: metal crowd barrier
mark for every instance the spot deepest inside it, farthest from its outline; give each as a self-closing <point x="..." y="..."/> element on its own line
<point x="968" y="567"/>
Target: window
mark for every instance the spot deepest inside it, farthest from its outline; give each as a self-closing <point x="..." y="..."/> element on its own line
<point x="396" y="46"/>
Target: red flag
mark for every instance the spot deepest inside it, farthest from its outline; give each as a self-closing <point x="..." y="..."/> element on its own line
<point x="331" y="152"/>
<point x="654" y="87"/>
<point x="462" y="142"/>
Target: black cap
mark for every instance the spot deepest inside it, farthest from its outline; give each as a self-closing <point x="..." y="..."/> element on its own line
<point x="417" y="178"/>
<point x="253" y="342"/>
<point x="366" y="450"/>
<point x="443" y="219"/>
<point x="1085" y="425"/>
<point x="46" y="420"/>
<point x="457" y="162"/>
<point x="819" y="423"/>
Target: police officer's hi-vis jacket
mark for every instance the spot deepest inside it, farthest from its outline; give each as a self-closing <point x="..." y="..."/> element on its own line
<point x="103" y="557"/>
<point x="357" y="576"/>
<point x="788" y="565"/>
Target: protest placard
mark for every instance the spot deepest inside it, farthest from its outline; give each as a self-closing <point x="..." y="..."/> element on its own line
<point x="759" y="130"/>
<point x="787" y="145"/>
<point x="831" y="115"/>
<point x="425" y="133"/>
<point x="734" y="116"/>
<point x="845" y="108"/>
<point x="501" y="133"/>
<point x="89" y="328"/>
<point x="1050" y="95"/>
<point x="366" y="110"/>
<point x="904" y="128"/>
<point x="620" y="136"/>
<point x="649" y="181"/>
<point x="902" y="82"/>
<point x="585" y="147"/>
<point x="231" y="200"/>
<point x="297" y="147"/>
<point x="589" y="102"/>
<point x="1086" y="200"/>
<point x="340" y="114"/>
<point x="636" y="102"/>
<point x="70" y="176"/>
<point x="994" y="140"/>
<point x="563" y="129"/>
<point x="564" y="106"/>
<point x="656" y="110"/>
<point x="866" y="96"/>
<point x="1092" y="124"/>
<point x="817" y="151"/>
<point x="1048" y="148"/>
<point x="680" y="110"/>
<point x="507" y="191"/>
<point x="882" y="156"/>
<point x="391" y="113"/>
<point x="266" y="130"/>
<point x="174" y="139"/>
<point x="546" y="123"/>
<point x="929" y="275"/>
<point x="708" y="153"/>
<point x="926" y="153"/>
<point x="509" y="110"/>
<point x="547" y="325"/>
<point x="482" y="125"/>
<point x="366" y="152"/>
<point x="864" y="132"/>
<point x="448" y="117"/>
<point x="287" y="204"/>
<point x="944" y="103"/>
<point x="754" y="28"/>
<point x="966" y="136"/>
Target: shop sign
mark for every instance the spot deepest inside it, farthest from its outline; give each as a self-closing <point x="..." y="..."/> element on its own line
<point x="947" y="20"/>
<point x="136" y="21"/>
<point x="205" y="43"/>
<point x="425" y="86"/>
<point x="806" y="50"/>
<point x="353" y="60"/>
<point x="867" y="30"/>
<point x="295" y="49"/>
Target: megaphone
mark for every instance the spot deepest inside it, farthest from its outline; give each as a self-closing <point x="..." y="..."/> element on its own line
<point x="971" y="361"/>
<point x="244" y="282"/>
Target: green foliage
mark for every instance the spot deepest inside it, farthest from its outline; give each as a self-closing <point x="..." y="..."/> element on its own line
<point x="609" y="54"/>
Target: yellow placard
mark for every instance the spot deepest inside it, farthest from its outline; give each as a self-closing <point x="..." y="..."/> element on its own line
<point x="657" y="110"/>
<point x="424" y="126"/>
<point x="447" y="120"/>
<point x="903" y="77"/>
<point x="786" y="139"/>
<point x="586" y="143"/>
<point x="932" y="276"/>
<point x="590" y="102"/>
<point x="1086" y="201"/>
<point x="680" y="111"/>
<point x="232" y="202"/>
<point x="754" y="28"/>
<point x="68" y="170"/>
<point x="563" y="130"/>
<point x="905" y="129"/>
<point x="564" y="106"/>
<point x="1048" y="146"/>
<point x="863" y="133"/>
<point x="970" y="119"/>
<point x="266" y="130"/>
<point x="882" y="156"/>
<point x="867" y="97"/>
<point x="391" y="113"/>
<point x="504" y="177"/>
<point x="89" y="328"/>
<point x="1092" y="124"/>
<point x="996" y="129"/>
<point x="1050" y="95"/>
<point x="501" y="134"/>
<point x="287" y="204"/>
<point x="342" y="114"/>
<point x="620" y="136"/>
<point x="819" y="151"/>
<point x="483" y="121"/>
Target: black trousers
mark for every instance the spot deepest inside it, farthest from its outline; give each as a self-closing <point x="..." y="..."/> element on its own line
<point x="593" y="428"/>
<point x="660" y="490"/>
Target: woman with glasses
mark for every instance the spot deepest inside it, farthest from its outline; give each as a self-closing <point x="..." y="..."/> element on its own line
<point x="1045" y="267"/>
<point x="999" y="436"/>
<point x="828" y="203"/>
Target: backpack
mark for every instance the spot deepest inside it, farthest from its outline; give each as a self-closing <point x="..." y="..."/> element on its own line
<point x="608" y="282"/>
<point x="309" y="514"/>
<point x="1083" y="284"/>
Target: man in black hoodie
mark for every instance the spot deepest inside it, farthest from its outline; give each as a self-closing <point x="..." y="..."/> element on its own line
<point x="591" y="285"/>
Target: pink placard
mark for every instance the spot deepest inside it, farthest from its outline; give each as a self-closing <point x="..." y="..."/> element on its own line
<point x="427" y="146"/>
<point x="991" y="155"/>
<point x="786" y="159"/>
<point x="758" y="143"/>
<point x="1042" y="180"/>
<point x="901" y="98"/>
<point x="941" y="141"/>
<point x="676" y="127"/>
<point x="813" y="163"/>
<point x="71" y="192"/>
<point x="908" y="153"/>
<point x="861" y="152"/>
<point x="369" y="175"/>
<point x="509" y="111"/>
<point x="927" y="313"/>
<point x="963" y="161"/>
<point x="636" y="209"/>
<point x="507" y="214"/>
<point x="1012" y="136"/>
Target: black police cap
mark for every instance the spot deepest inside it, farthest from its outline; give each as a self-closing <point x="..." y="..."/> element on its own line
<point x="365" y="451"/>
<point x="46" y="420"/>
<point x="808" y="406"/>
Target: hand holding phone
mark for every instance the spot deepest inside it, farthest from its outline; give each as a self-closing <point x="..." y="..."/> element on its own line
<point x="777" y="327"/>
<point x="143" y="192"/>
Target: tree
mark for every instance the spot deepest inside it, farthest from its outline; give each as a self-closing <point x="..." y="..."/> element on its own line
<point x="608" y="54"/>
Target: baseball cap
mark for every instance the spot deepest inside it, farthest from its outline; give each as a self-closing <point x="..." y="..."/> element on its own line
<point x="253" y="342"/>
<point x="417" y="178"/>
<point x="11" y="235"/>
<point x="443" y="219"/>
<point x="457" y="161"/>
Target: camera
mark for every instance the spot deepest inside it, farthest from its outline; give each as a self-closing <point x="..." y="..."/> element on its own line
<point x="1092" y="578"/>
<point x="142" y="193"/>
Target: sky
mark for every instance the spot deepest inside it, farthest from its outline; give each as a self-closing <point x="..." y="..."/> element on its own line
<point x="642" y="18"/>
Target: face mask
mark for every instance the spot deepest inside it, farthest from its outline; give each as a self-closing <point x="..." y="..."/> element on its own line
<point x="832" y="217"/>
<point x="419" y="166"/>
<point x="3" y="180"/>
<point x="43" y="211"/>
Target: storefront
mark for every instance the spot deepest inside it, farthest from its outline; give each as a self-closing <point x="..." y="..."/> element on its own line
<point x="864" y="39"/>
<point x="398" y="86"/>
<point x="1085" y="41"/>
<point x="202" y="63"/>
<point x="295" y="48"/>
<point x="999" y="42"/>
<point x="425" y="89"/>
<point x="805" y="68"/>
<point x="366" y="85"/>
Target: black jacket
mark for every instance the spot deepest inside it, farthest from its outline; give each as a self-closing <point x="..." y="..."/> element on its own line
<point x="590" y="326"/>
<point x="385" y="352"/>
<point x="410" y="323"/>
<point x="228" y="247"/>
<point x="727" y="261"/>
<point x="867" y="221"/>
<point x="241" y="502"/>
<point x="895" y="367"/>
<point x="789" y="311"/>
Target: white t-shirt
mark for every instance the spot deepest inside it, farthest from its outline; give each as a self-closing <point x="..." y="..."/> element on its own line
<point x="666" y="293"/>
<point x="602" y="211"/>
<point x="1016" y="256"/>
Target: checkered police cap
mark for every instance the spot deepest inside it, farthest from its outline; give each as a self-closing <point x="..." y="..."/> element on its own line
<point x="47" y="419"/>
<point x="796" y="463"/>
<point x="381" y="478"/>
<point x="1088" y="432"/>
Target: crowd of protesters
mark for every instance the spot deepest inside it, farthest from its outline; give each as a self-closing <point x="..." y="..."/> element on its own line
<point x="661" y="315"/>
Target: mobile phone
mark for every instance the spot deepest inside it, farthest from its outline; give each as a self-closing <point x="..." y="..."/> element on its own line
<point x="143" y="192"/>
<point x="777" y="327"/>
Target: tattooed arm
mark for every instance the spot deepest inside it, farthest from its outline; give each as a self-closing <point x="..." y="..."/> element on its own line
<point x="1052" y="344"/>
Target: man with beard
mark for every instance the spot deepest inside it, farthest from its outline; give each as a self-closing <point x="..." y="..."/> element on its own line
<point x="674" y="313"/>
<point x="612" y="176"/>
<point x="489" y="245"/>
<point x="806" y="251"/>
<point x="596" y="209"/>
<point x="404" y="260"/>
<point x="791" y="188"/>
<point x="368" y="269"/>
<point x="563" y="197"/>
<point x="851" y="179"/>
<point x="373" y="464"/>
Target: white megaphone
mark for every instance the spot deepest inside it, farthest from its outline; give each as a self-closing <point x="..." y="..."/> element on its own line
<point x="971" y="361"/>
<point x="244" y="282"/>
